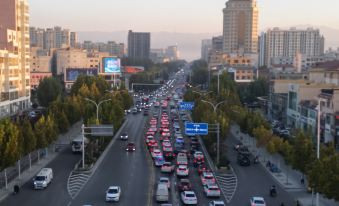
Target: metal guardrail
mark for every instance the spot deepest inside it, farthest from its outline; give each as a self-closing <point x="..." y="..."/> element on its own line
<point x="13" y="172"/>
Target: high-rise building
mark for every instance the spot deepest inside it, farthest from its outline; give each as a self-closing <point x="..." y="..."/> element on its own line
<point x="283" y="45"/>
<point x="206" y="47"/>
<point x="52" y="38"/>
<point x="115" y="49"/>
<point x="14" y="57"/>
<point x="73" y="39"/>
<point x="36" y="37"/>
<point x="262" y="49"/>
<point x="172" y="53"/>
<point x="240" y="27"/>
<point x="217" y="44"/>
<point x="139" y="45"/>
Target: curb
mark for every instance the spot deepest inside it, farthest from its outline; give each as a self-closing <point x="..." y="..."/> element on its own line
<point x="101" y="158"/>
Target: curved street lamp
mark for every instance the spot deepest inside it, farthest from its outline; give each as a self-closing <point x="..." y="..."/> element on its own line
<point x="97" y="105"/>
<point x="215" y="106"/>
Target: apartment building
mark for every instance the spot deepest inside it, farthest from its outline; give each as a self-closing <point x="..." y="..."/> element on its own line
<point x="14" y="57"/>
<point x="281" y="46"/>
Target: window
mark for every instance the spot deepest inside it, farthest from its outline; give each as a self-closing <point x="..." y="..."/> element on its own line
<point x="292" y="100"/>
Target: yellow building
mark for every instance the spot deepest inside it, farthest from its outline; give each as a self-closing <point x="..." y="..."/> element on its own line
<point x="14" y="57"/>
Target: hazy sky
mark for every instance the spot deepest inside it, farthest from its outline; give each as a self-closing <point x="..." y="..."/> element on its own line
<point x="197" y="16"/>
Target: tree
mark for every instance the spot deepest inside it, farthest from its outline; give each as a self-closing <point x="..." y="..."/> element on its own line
<point x="40" y="132"/>
<point x="9" y="143"/>
<point x="302" y="153"/>
<point x="48" y="91"/>
<point x="28" y="136"/>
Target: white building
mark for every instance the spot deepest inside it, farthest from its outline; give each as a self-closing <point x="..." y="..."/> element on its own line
<point x="282" y="46"/>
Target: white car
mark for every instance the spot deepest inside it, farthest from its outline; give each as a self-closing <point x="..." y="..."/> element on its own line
<point x="207" y="178"/>
<point x="257" y="201"/>
<point x="198" y="154"/>
<point x="211" y="190"/>
<point x="166" y="181"/>
<point x="182" y="171"/>
<point x="113" y="193"/>
<point x="216" y="203"/>
<point x="167" y="167"/>
<point x="189" y="198"/>
<point x="156" y="153"/>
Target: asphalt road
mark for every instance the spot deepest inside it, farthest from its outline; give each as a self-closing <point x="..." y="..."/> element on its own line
<point x="254" y="180"/>
<point x="129" y="170"/>
<point x="56" y="193"/>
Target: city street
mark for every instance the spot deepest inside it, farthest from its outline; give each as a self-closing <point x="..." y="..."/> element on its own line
<point x="129" y="170"/>
<point x="254" y="181"/>
<point x="56" y="193"/>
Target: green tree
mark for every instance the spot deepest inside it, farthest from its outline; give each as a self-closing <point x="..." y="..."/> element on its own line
<point x="48" y="91"/>
<point x="302" y="153"/>
<point x="28" y="136"/>
<point x="40" y="133"/>
<point x="9" y="143"/>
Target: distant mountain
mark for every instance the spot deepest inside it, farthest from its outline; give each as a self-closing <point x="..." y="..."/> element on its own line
<point x="189" y="44"/>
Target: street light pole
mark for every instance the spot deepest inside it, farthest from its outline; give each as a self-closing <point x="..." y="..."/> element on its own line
<point x="97" y="105"/>
<point x="318" y="141"/>
<point x="215" y="106"/>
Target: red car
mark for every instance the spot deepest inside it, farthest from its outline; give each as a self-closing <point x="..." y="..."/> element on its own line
<point x="184" y="185"/>
<point x="130" y="147"/>
<point x="202" y="168"/>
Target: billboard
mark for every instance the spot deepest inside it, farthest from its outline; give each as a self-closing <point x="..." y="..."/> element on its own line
<point x="73" y="73"/>
<point x="111" y="65"/>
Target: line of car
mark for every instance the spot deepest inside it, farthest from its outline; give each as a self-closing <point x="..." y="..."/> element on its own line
<point x="169" y="145"/>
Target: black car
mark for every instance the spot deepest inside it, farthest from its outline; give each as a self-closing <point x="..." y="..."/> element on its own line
<point x="243" y="150"/>
<point x="243" y="160"/>
<point x="168" y="156"/>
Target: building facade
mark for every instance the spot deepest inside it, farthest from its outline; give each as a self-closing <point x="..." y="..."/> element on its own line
<point x="14" y="57"/>
<point x="206" y="47"/>
<point x="286" y="44"/>
<point x="240" y="27"/>
<point x="139" y="45"/>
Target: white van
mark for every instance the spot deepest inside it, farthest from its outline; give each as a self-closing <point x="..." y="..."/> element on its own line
<point x="43" y="178"/>
<point x="77" y="144"/>
<point x="162" y="194"/>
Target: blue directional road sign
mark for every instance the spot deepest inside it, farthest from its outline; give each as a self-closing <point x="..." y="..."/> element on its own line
<point x="196" y="128"/>
<point x="186" y="105"/>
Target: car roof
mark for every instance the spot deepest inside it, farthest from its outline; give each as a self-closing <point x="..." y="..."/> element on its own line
<point x="189" y="192"/>
<point x="257" y="198"/>
<point x="113" y="187"/>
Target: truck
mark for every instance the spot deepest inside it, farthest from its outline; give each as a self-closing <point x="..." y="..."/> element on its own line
<point x="76" y="144"/>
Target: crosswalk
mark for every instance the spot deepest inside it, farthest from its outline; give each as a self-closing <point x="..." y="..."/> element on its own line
<point x="228" y="185"/>
<point x="75" y="183"/>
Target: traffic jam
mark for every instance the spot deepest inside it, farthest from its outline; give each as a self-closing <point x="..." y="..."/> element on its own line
<point x="182" y="175"/>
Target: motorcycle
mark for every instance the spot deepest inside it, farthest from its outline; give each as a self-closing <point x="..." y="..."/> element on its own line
<point x="273" y="191"/>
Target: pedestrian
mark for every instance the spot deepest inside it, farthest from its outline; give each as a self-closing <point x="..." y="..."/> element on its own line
<point x="298" y="204"/>
<point x="302" y="180"/>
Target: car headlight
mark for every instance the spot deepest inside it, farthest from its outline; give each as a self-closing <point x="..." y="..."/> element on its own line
<point x="34" y="183"/>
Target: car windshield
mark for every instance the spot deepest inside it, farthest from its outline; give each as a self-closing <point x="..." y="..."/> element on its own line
<point x="190" y="195"/>
<point x="259" y="202"/>
<point x="40" y="178"/>
<point x="113" y="191"/>
<point x="217" y="204"/>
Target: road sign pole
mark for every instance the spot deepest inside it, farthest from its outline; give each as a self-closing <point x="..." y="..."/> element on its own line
<point x="83" y="145"/>
<point x="218" y="143"/>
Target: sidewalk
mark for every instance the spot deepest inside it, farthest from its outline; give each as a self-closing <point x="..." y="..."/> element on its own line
<point x="52" y="152"/>
<point x="288" y="178"/>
